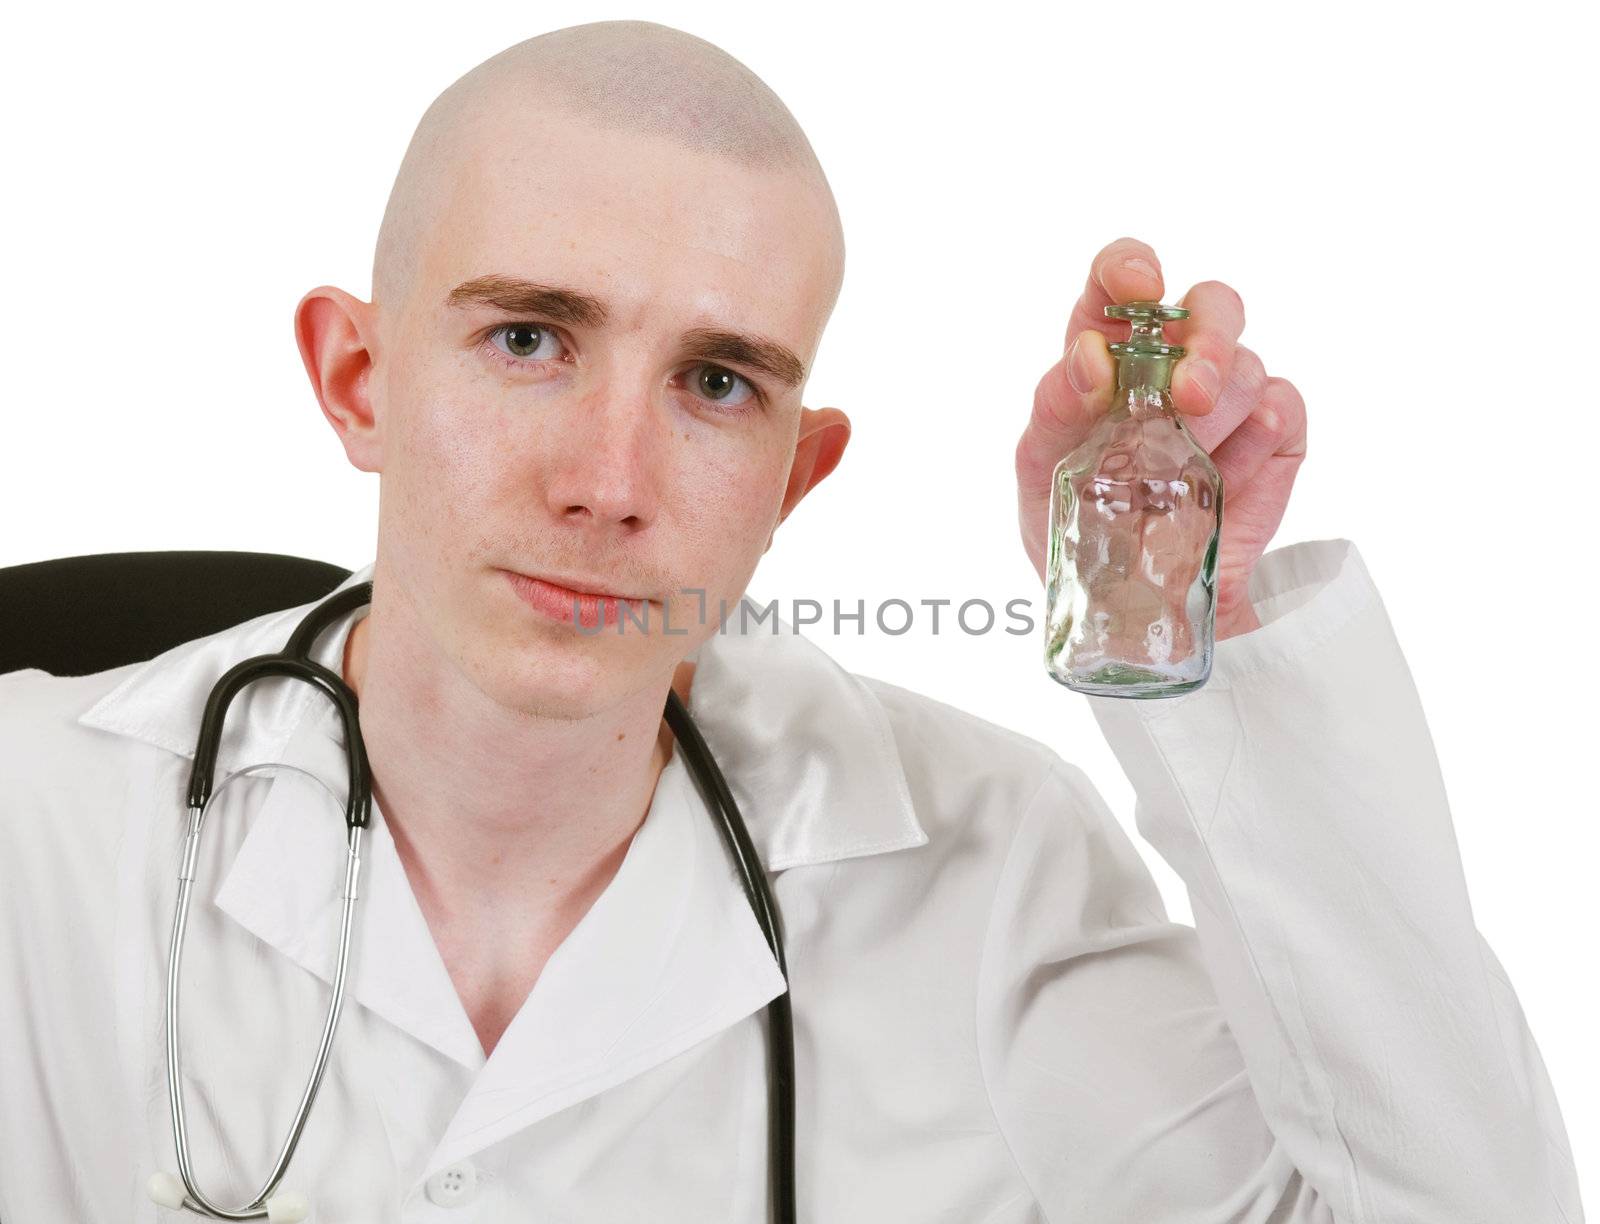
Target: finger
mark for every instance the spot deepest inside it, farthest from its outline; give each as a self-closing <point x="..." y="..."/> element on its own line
<point x="1249" y="521"/>
<point x="1241" y="394"/>
<point x="1125" y="270"/>
<point x="1069" y="399"/>
<point x="1077" y="388"/>
<point x="1216" y="319"/>
<point x="1291" y="405"/>
<point x="1274" y="433"/>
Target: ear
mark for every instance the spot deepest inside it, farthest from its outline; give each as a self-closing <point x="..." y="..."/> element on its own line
<point x="333" y="330"/>
<point x="824" y="433"/>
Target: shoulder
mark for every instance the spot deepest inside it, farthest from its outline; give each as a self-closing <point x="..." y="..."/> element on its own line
<point x="61" y="782"/>
<point x="936" y="734"/>
<point x="963" y="769"/>
<point x="39" y="713"/>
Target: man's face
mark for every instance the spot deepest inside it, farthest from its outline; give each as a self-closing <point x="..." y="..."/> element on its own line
<point x="603" y="452"/>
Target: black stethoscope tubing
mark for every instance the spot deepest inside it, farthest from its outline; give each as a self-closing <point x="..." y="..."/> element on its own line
<point x="295" y="662"/>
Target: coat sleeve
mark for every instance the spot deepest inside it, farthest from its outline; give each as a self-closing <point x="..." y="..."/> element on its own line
<point x="1333" y="1041"/>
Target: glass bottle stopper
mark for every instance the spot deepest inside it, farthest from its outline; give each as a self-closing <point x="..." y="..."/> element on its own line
<point x="1146" y="358"/>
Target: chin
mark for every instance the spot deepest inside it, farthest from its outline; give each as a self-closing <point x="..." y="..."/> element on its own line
<point x="562" y="678"/>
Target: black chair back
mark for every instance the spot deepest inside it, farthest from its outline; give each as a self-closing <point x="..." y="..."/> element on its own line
<point x="75" y="615"/>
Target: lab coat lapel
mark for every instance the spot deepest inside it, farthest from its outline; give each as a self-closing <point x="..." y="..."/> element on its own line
<point x="285" y="885"/>
<point x="668" y="955"/>
<point x="806" y="748"/>
<point x="671" y="952"/>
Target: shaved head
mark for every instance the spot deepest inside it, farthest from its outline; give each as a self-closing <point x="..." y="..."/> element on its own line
<point x="636" y="77"/>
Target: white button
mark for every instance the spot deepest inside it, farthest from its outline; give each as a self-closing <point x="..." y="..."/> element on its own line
<point x="453" y="1186"/>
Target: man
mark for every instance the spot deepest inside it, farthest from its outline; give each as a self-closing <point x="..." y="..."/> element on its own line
<point x="598" y="289"/>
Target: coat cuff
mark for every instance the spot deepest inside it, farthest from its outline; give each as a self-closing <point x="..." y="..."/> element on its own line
<point x="1303" y="594"/>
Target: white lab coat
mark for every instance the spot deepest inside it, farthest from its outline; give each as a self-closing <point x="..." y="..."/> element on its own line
<point x="995" y="1019"/>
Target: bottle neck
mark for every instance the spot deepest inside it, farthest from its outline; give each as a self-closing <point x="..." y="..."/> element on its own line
<point x="1139" y="371"/>
<point x="1143" y="388"/>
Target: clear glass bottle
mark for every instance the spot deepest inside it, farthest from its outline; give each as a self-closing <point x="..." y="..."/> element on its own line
<point x="1135" y="521"/>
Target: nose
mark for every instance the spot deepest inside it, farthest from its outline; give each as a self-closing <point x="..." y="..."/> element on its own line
<point x="607" y="473"/>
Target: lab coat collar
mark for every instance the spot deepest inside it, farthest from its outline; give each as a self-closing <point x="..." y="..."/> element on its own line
<point x="806" y="747"/>
<point x="807" y="751"/>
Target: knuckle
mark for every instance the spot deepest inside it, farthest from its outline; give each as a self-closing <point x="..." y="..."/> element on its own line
<point x="1223" y="292"/>
<point x="1081" y="320"/>
<point x="1285" y="400"/>
<point x="1250" y="369"/>
<point x="1047" y="397"/>
<point x="1019" y="454"/>
<point x="1244" y="378"/>
<point x="1285" y="395"/>
<point x="1030" y="464"/>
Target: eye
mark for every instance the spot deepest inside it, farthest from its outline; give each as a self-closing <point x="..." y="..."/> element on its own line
<point x="518" y="346"/>
<point x="715" y="383"/>
<point x="522" y="341"/>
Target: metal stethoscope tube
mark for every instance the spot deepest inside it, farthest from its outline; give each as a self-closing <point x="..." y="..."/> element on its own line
<point x="289" y="1206"/>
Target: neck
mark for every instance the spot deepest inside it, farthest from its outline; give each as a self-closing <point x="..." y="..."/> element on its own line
<point x="505" y="821"/>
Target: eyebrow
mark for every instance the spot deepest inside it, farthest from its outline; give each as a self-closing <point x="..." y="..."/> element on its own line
<point x="578" y="309"/>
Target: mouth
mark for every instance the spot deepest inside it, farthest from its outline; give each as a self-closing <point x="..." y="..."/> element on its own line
<point x="571" y="604"/>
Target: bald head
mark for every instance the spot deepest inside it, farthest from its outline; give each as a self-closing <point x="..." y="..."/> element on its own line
<point x="637" y="77"/>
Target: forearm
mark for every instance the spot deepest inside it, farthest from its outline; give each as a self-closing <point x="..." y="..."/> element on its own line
<point x="1299" y="796"/>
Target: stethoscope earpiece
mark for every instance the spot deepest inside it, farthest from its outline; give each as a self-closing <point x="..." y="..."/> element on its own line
<point x="166" y="1190"/>
<point x="287" y="1207"/>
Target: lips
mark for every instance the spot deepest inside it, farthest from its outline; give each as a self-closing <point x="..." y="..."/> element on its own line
<point x="565" y="604"/>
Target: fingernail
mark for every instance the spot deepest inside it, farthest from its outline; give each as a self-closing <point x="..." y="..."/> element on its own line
<point x="1136" y="264"/>
<point x="1204" y="375"/>
<point x="1077" y="373"/>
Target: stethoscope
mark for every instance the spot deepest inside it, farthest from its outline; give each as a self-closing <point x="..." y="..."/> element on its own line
<point x="180" y="1191"/>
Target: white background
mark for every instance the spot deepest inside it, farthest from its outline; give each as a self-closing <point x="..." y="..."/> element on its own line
<point x="1397" y="193"/>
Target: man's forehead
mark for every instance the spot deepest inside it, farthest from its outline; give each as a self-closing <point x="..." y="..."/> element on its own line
<point x="622" y="189"/>
<point x="629" y="273"/>
<point x="632" y="263"/>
